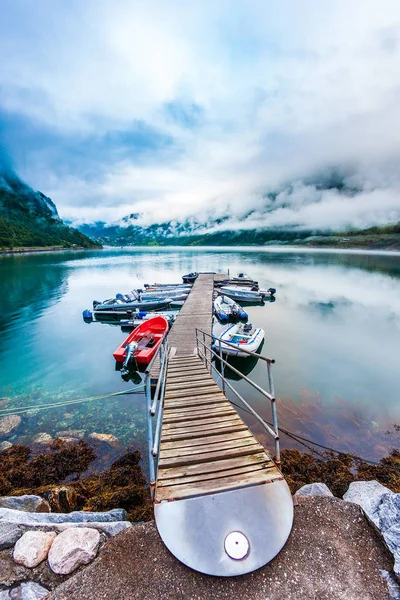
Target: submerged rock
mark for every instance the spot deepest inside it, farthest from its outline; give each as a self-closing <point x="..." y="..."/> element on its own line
<point x="314" y="489"/>
<point x="27" y="503"/>
<point x="5" y="446"/>
<point x="109" y="438"/>
<point x="28" y="591"/>
<point x="9" y="423"/>
<point x="42" y="438"/>
<point x="77" y="434"/>
<point x="73" y="548"/>
<point x="33" y="547"/>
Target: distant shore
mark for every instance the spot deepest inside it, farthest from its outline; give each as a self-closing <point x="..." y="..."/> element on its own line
<point x="43" y="249"/>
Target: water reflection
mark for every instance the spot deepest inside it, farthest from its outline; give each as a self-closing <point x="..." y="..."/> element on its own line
<point x="333" y="330"/>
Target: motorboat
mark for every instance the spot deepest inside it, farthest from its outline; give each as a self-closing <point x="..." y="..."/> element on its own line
<point x="190" y="277"/>
<point x="242" y="294"/>
<point x="171" y="296"/>
<point x="240" y="337"/>
<point x="143" y="342"/>
<point x="138" y="318"/>
<point x="226" y="309"/>
<point x="118" y="304"/>
<point x="167" y="285"/>
<point x="158" y="293"/>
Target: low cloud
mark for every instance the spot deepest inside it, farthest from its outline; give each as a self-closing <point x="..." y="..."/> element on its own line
<point x="204" y="111"/>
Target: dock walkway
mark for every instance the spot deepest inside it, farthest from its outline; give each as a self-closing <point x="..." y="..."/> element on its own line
<point x="205" y="446"/>
<point x="221" y="504"/>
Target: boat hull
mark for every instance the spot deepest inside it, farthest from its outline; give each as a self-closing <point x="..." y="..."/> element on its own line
<point x="252" y="344"/>
<point x="142" y="305"/>
<point x="149" y="336"/>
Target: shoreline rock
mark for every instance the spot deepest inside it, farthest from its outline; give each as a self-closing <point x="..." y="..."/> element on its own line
<point x="33" y="547"/>
<point x="9" y="423"/>
<point x="73" y="548"/>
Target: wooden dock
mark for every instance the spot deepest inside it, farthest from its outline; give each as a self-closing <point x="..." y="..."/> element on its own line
<point x="221" y="504"/>
<point x="205" y="446"/>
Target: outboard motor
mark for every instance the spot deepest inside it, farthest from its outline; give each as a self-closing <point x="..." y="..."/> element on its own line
<point x="272" y="291"/>
<point x="96" y="303"/>
<point x="247" y="327"/>
<point x="130" y="351"/>
<point x="120" y="297"/>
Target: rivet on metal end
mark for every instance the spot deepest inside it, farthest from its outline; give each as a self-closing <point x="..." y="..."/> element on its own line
<point x="237" y="545"/>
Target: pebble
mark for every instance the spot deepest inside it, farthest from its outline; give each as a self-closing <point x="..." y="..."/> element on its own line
<point x="33" y="547"/>
<point x="72" y="548"/>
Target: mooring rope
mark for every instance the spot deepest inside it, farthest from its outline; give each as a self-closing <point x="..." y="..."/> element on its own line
<point x="301" y="440"/>
<point x="23" y="409"/>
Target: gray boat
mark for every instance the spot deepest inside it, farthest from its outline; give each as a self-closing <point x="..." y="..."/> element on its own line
<point x="121" y="305"/>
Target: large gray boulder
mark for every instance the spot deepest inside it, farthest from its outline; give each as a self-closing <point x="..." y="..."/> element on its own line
<point x="4" y="595"/>
<point x="27" y="503"/>
<point x="314" y="489"/>
<point x="72" y="548"/>
<point x="9" y="534"/>
<point x="28" y="591"/>
<point x="29" y="518"/>
<point x="33" y="547"/>
<point x="368" y="495"/>
<point x="382" y="506"/>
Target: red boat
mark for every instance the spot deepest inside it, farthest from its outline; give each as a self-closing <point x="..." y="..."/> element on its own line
<point x="148" y="336"/>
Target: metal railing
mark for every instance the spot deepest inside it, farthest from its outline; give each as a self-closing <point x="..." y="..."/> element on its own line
<point x="155" y="410"/>
<point x="207" y="352"/>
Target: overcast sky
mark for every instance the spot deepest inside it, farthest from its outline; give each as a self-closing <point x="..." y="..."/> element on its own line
<point x="174" y="108"/>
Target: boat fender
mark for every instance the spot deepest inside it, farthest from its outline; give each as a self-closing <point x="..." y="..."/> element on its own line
<point x="141" y="314"/>
<point x="87" y="315"/>
<point x="242" y="341"/>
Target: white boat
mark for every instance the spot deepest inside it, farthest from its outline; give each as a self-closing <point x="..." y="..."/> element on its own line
<point x="242" y="294"/>
<point x="242" y="337"/>
<point x="168" y="285"/>
<point x="226" y="309"/>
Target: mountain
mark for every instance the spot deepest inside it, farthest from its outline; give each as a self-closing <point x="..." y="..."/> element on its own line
<point x="30" y="219"/>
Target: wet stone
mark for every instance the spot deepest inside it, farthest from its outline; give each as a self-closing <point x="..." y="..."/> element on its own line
<point x="27" y="503"/>
<point x="25" y="518"/>
<point x="5" y="445"/>
<point x="42" y="438"/>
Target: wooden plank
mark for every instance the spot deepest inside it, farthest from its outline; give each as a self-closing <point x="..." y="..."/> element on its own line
<point x="204" y="431"/>
<point x="197" y="416"/>
<point x="185" y="385"/>
<point x="206" y="422"/>
<point x="178" y="492"/>
<point x="208" y="456"/>
<point x="179" y="374"/>
<point x="212" y="467"/>
<point x="217" y="475"/>
<point x="198" y="391"/>
<point x="181" y="452"/>
<point x="217" y="398"/>
<point x="188" y="410"/>
<point x="188" y="379"/>
<point x="215" y="439"/>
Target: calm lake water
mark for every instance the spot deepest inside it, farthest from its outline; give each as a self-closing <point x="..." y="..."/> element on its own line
<point x="334" y="331"/>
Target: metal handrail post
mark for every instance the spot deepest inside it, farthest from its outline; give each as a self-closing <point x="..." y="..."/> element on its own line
<point x="274" y="415"/>
<point x="222" y="367"/>
<point x="150" y="437"/>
